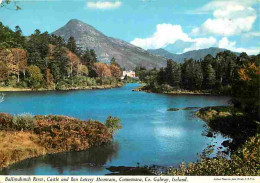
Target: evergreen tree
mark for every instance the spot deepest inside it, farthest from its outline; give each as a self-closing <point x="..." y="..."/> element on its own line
<point x="176" y="75"/>
<point x="198" y="76"/>
<point x="113" y="62"/>
<point x="37" y="32"/>
<point x="161" y="77"/>
<point x="169" y="72"/>
<point x="62" y="61"/>
<point x="86" y="58"/>
<point x="20" y="39"/>
<point x="72" y="45"/>
<point x="243" y="59"/>
<point x="89" y="58"/>
<point x="93" y="56"/>
<point x="38" y="43"/>
<point x="210" y="77"/>
<point x="55" y="71"/>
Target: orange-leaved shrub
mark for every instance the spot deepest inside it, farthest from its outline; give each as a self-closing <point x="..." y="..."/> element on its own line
<point x="58" y="133"/>
<point x="63" y="133"/>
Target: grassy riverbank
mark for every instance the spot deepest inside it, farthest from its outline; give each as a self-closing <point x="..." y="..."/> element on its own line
<point x="26" y="136"/>
<point x="230" y="122"/>
<point x="174" y="92"/>
<point x="244" y="148"/>
<point x="12" y="89"/>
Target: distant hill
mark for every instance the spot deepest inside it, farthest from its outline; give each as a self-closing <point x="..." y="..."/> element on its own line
<point x="195" y="54"/>
<point x="126" y="54"/>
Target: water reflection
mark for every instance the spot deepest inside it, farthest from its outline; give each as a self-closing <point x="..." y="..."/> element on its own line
<point x="151" y="135"/>
<point x="92" y="159"/>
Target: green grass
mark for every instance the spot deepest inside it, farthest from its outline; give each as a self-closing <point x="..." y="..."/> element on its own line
<point x="173" y="109"/>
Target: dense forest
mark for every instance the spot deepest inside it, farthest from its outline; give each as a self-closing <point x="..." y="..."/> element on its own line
<point x="211" y="73"/>
<point x="227" y="73"/>
<point x="43" y="60"/>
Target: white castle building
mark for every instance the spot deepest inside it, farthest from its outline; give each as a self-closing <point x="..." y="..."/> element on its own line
<point x="129" y="74"/>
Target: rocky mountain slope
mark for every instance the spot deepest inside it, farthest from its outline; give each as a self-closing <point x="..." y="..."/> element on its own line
<point x="126" y="54"/>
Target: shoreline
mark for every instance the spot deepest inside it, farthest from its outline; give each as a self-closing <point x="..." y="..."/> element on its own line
<point x="206" y="166"/>
<point x="206" y="114"/>
<point x="176" y="92"/>
<point x="47" y="135"/>
<point x="12" y="89"/>
<point x="33" y="146"/>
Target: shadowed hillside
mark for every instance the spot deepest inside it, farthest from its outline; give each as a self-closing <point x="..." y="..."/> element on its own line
<point x="195" y="54"/>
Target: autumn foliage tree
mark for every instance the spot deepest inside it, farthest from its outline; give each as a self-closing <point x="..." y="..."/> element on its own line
<point x="245" y="91"/>
<point x="3" y="71"/>
<point x="82" y="70"/>
<point x="20" y="60"/>
<point x="49" y="79"/>
<point x="35" y="76"/>
<point x="74" y="63"/>
<point x="15" y="59"/>
<point x="102" y="70"/>
<point x="115" y="71"/>
<point x="60" y="64"/>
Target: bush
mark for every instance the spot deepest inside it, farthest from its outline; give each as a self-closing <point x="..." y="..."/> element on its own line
<point x="91" y="81"/>
<point x="79" y="80"/>
<point x="113" y="124"/>
<point x="166" y="88"/>
<point x="5" y="121"/>
<point x="109" y="81"/>
<point x="226" y="90"/>
<point x="63" y="133"/>
<point x="24" y="122"/>
<point x="62" y="85"/>
<point x="12" y="81"/>
<point x="22" y="84"/>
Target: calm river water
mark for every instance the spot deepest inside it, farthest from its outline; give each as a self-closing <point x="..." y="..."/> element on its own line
<point x="151" y="135"/>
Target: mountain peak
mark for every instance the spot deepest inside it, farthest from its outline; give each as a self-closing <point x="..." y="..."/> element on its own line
<point x="76" y="29"/>
<point x="127" y="55"/>
<point x="75" y="22"/>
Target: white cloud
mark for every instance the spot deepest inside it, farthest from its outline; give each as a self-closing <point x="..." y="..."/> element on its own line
<point x="168" y="34"/>
<point x="231" y="17"/>
<point x="165" y="34"/>
<point x="200" y="43"/>
<point x="252" y="34"/>
<point x="231" y="45"/>
<point x="225" y="43"/>
<point x="104" y="4"/>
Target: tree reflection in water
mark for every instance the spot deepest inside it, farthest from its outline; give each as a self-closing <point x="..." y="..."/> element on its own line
<point x="92" y="159"/>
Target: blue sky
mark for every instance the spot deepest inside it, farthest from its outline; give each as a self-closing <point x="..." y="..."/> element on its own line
<point x="176" y="25"/>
